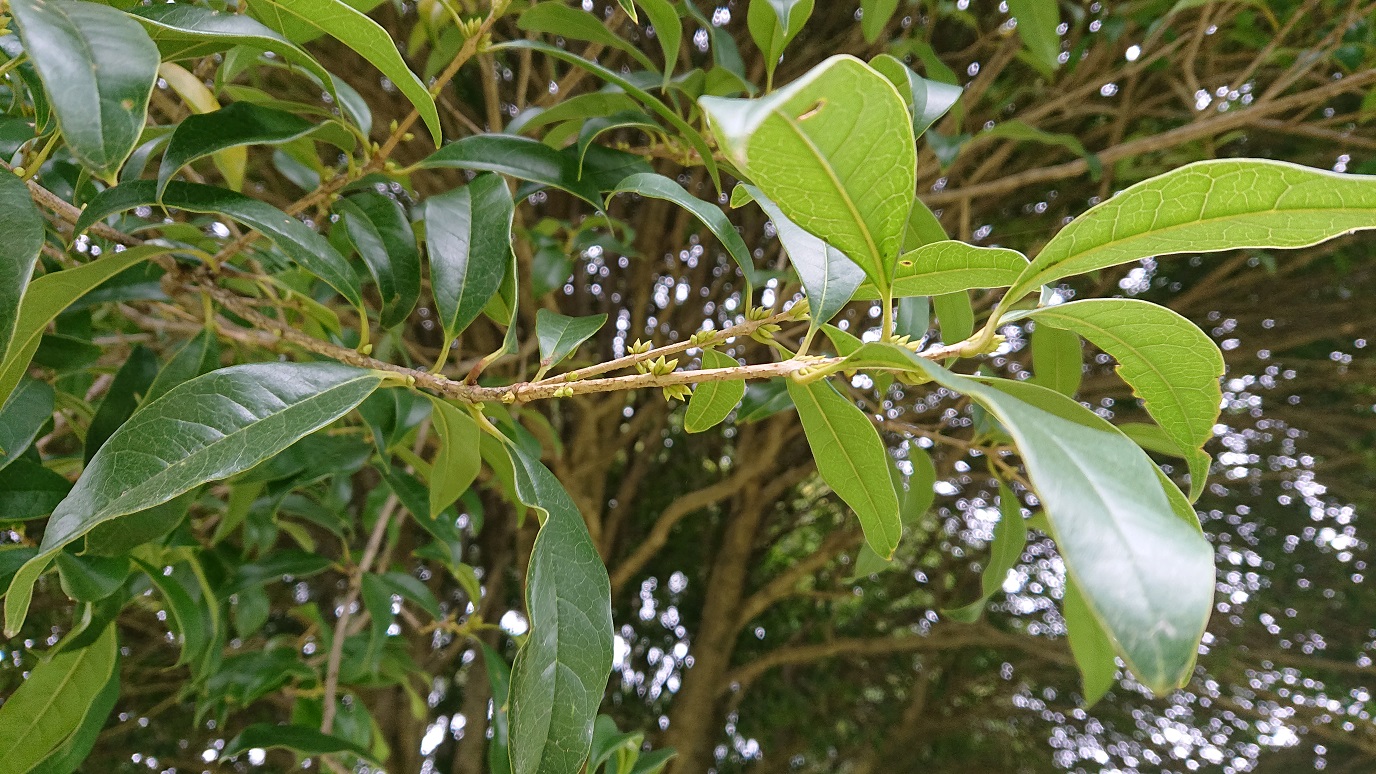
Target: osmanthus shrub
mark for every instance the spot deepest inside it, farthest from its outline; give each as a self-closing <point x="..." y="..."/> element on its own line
<point x="296" y="367"/>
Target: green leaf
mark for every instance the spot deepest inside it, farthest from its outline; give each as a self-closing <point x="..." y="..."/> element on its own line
<point x="98" y="68"/>
<point x="949" y="266"/>
<point x="1010" y="536"/>
<point x="194" y="609"/>
<point x="1146" y="572"/>
<point x="852" y="460"/>
<point x="1151" y="438"/>
<point x="200" y="355"/>
<point x="1037" y="23"/>
<point x="203" y="430"/>
<point x="1089" y="644"/>
<point x="913" y="317"/>
<point x="76" y="748"/>
<point x="49" y="295"/>
<point x="559" y="335"/>
<point x="518" y="157"/>
<point x="238" y="125"/>
<point x="657" y="186"/>
<point x="712" y="401"/>
<point x="308" y="249"/>
<point x="380" y="231"/>
<point x="828" y="276"/>
<point x="1057" y="360"/>
<point x="764" y="399"/>
<point x="122" y="535"/>
<point x="361" y="34"/>
<point x="921" y="229"/>
<point x="22" y="416"/>
<point x="457" y="462"/>
<point x="499" y="676"/>
<point x="876" y="15"/>
<point x="30" y="491"/>
<point x="834" y="150"/>
<point x="774" y="24"/>
<point x="956" y="316"/>
<point x="18" y="251"/>
<point x="555" y="18"/>
<point x="1018" y="130"/>
<point x="50" y="705"/>
<point x="91" y="578"/>
<point x="668" y="30"/>
<point x="299" y="739"/>
<point x="130" y="384"/>
<point x="1171" y="365"/>
<point x="927" y="100"/>
<point x="468" y="239"/>
<point x="1206" y="207"/>
<point x="562" y="667"/>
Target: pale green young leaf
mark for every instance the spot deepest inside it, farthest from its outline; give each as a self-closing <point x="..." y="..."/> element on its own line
<point x="364" y="36"/>
<point x="561" y="670"/>
<point x="560" y="335"/>
<point x="18" y="251"/>
<point x="1057" y="359"/>
<point x="835" y="151"/>
<point x="203" y="430"/>
<point x="1089" y="644"/>
<point x="774" y="24"/>
<point x="950" y="266"/>
<point x="1010" y="536"/>
<point x="658" y="186"/>
<point x="1037" y="23"/>
<point x="468" y="240"/>
<point x="74" y="750"/>
<point x="1207" y="207"/>
<point x="457" y="462"/>
<point x="927" y="100"/>
<point x="852" y="460"/>
<point x="712" y="402"/>
<point x="1171" y="364"/>
<point x="98" y="67"/>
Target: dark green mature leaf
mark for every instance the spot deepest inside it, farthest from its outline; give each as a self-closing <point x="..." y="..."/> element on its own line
<point x="194" y="609"/>
<point x="913" y="317"/>
<point x="48" y="295"/>
<point x="521" y="158"/>
<point x="852" y="460"/>
<point x="712" y="401"/>
<point x="299" y="739"/>
<point x="22" y="416"/>
<point x="956" y="315"/>
<point x="499" y="676"/>
<point x="1089" y="644"/>
<point x="1010" y="536"/>
<point x="236" y="125"/>
<point x="1037" y="23"/>
<point x="30" y="491"/>
<point x="1206" y="207"/>
<point x="658" y="186"/>
<point x="876" y="15"/>
<point x="457" y="462"/>
<point x="204" y="430"/>
<point x="200" y="355"/>
<point x="774" y="24"/>
<point x="130" y="384"/>
<point x="122" y="535"/>
<point x="308" y="249"/>
<point x="91" y="578"/>
<point x="50" y="705"/>
<point x="1057" y="360"/>
<point x="364" y="36"/>
<point x="668" y="29"/>
<point x="921" y="229"/>
<point x="555" y="18"/>
<point x="98" y="67"/>
<point x="18" y="251"/>
<point x="468" y="239"/>
<point x="560" y="335"/>
<point x="834" y="150"/>
<point x="949" y="266"/>
<point x="561" y="670"/>
<point x="1171" y="364"/>
<point x="927" y="100"/>
<point x="380" y="231"/>
<point x="764" y="399"/>
<point x="1147" y="572"/>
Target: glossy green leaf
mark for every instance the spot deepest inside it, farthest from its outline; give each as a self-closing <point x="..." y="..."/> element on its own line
<point x="203" y="430"/>
<point x="1019" y="130"/>
<point x="299" y="739"/>
<point x="828" y="276"/>
<point x="580" y="107"/>
<point x="364" y="36"/>
<point x="194" y="610"/>
<point x="594" y="127"/>
<point x="468" y="239"/>
<point x="499" y="676"/>
<point x="1146" y="572"/>
<point x="834" y="150"/>
<point x="668" y="29"/>
<point x="1207" y="207"/>
<point x="200" y="355"/>
<point x="518" y="157"/>
<point x="381" y="233"/>
<point x="774" y="24"/>
<point x="876" y="15"/>
<point x="852" y="460"/>
<point x="1010" y="537"/>
<point x="130" y="384"/>
<point x="73" y="751"/>
<point x="1057" y="360"/>
<point x="457" y="463"/>
<point x="1151" y="438"/>
<point x="91" y="578"/>
<point x="1171" y="364"/>
<point x="18" y="251"/>
<point x="50" y="705"/>
<point x="949" y="266"/>
<point x="30" y="491"/>
<point x="308" y="249"/>
<point x="555" y="18"/>
<point x="561" y="670"/>
<point x="927" y="100"/>
<point x="113" y="538"/>
<point x="49" y="295"/>
<point x="1037" y="23"/>
<point x="560" y="335"/>
<point x="655" y="186"/>
<point x="956" y="316"/>
<point x="712" y="402"/>
<point x="764" y="399"/>
<point x="237" y="125"/>
<point x="913" y="317"/>
<point x="921" y="229"/>
<point x="98" y="67"/>
<point x="21" y="417"/>
<point x="1089" y="644"/>
<point x="377" y="600"/>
